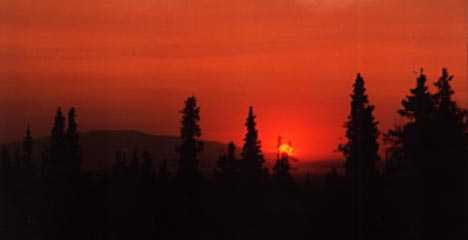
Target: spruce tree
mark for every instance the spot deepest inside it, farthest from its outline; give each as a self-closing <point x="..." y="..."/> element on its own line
<point x="58" y="147"/>
<point x="228" y="165"/>
<point x="191" y="146"/>
<point x="361" y="149"/>
<point x="418" y="106"/>
<point x="361" y="155"/>
<point x="73" y="146"/>
<point x="450" y="140"/>
<point x="281" y="171"/>
<point x="409" y="145"/>
<point x="252" y="169"/>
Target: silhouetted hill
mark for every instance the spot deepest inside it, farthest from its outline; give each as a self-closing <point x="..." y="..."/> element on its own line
<point x="99" y="148"/>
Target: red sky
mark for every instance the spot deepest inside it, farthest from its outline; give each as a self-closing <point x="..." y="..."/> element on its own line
<point x="130" y="64"/>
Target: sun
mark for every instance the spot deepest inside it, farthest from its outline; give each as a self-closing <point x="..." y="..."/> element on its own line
<point x="286" y="149"/>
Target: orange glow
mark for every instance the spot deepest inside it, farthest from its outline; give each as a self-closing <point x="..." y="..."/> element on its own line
<point x="127" y="65"/>
<point x="286" y="149"/>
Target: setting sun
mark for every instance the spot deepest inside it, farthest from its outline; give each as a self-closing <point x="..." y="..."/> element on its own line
<point x="286" y="149"/>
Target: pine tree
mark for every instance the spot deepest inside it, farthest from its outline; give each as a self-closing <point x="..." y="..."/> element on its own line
<point x="409" y="145"/>
<point x="361" y="155"/>
<point x="418" y="106"/>
<point x="191" y="146"/>
<point x="450" y="140"/>
<point x="252" y="168"/>
<point x="28" y="148"/>
<point x="281" y="171"/>
<point x="73" y="145"/>
<point x="58" y="148"/>
<point x="228" y="164"/>
<point x="361" y="149"/>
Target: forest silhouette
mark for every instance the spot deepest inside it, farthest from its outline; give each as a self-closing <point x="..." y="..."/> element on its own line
<point x="416" y="190"/>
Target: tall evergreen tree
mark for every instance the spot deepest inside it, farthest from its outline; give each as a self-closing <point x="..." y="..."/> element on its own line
<point x="361" y="155"/>
<point x="58" y="147"/>
<point x="451" y="142"/>
<point x="73" y="145"/>
<point x="418" y="106"/>
<point x="361" y="149"/>
<point x="228" y="164"/>
<point x="410" y="144"/>
<point x="281" y="171"/>
<point x="252" y="167"/>
<point x="191" y="146"/>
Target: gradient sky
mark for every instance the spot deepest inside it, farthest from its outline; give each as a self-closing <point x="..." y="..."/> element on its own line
<point x="129" y="64"/>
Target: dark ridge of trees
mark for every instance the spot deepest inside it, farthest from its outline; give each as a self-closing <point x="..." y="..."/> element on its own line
<point x="420" y="193"/>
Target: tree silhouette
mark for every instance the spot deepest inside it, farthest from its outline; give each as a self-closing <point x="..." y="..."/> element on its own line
<point x="411" y="143"/>
<point x="281" y="171"/>
<point x="451" y="129"/>
<point x="73" y="145"/>
<point x="228" y="165"/>
<point x="361" y="149"/>
<point x="57" y="151"/>
<point x="190" y="133"/>
<point x="252" y="167"/>
<point x="361" y="155"/>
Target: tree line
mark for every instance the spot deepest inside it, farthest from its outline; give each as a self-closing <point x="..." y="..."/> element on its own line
<point x="419" y="193"/>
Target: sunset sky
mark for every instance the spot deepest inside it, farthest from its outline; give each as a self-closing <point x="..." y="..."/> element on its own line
<point x="130" y="64"/>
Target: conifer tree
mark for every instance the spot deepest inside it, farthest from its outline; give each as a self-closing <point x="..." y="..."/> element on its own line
<point x="58" y="148"/>
<point x="418" y="106"/>
<point x="191" y="146"/>
<point x="281" y="171"/>
<point x="73" y="146"/>
<point x="450" y="140"/>
<point x="227" y="164"/>
<point x="252" y="168"/>
<point x="361" y="155"/>
<point x="361" y="149"/>
<point x="410" y="144"/>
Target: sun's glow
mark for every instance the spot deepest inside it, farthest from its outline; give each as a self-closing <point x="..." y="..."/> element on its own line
<point x="286" y="149"/>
